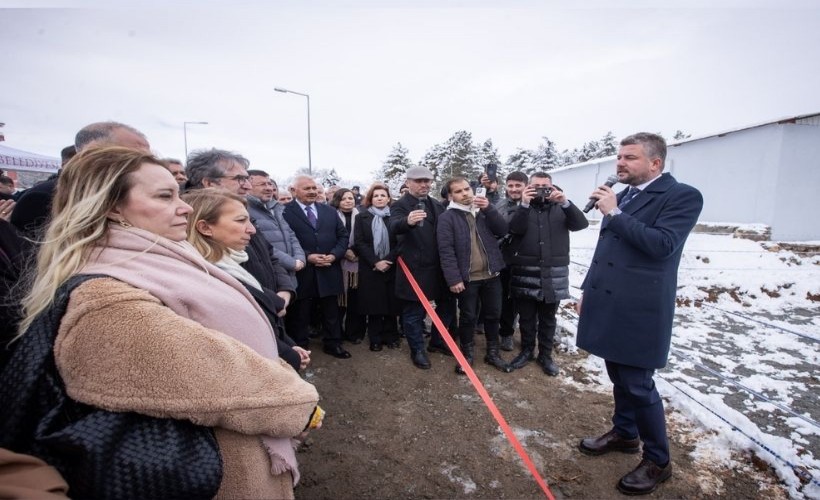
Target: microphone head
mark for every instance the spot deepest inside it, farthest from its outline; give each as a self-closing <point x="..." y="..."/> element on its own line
<point x="611" y="180"/>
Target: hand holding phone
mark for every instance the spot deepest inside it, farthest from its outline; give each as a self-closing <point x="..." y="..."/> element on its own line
<point x="481" y="191"/>
<point x="492" y="172"/>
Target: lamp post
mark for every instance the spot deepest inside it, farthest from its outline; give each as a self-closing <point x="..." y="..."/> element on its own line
<point x="185" y="134"/>
<point x="286" y="91"/>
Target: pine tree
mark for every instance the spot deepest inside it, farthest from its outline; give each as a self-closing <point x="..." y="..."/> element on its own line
<point x="433" y="160"/>
<point x="460" y="156"/>
<point x="394" y="167"/>
<point x="331" y="178"/>
<point x="545" y="157"/>
<point x="486" y="154"/>
<point x="522" y="160"/>
<point x="608" y="145"/>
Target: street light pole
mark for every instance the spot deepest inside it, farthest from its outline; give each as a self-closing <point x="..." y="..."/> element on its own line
<point x="185" y="134"/>
<point x="286" y="91"/>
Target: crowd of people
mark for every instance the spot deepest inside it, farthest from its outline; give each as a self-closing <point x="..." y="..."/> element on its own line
<point x="192" y="292"/>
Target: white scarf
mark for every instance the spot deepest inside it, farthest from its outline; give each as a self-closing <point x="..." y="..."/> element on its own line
<point x="230" y="264"/>
<point x="464" y="208"/>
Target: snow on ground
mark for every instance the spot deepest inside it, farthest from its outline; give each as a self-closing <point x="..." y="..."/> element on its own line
<point x="745" y="351"/>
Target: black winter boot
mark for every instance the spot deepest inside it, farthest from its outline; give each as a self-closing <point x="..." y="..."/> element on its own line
<point x="492" y="358"/>
<point x="469" y="352"/>
<point x="507" y="343"/>
<point x="525" y="356"/>
<point x="546" y="363"/>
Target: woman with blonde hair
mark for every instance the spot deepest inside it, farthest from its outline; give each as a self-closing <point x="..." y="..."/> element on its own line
<point x="220" y="228"/>
<point x="157" y="331"/>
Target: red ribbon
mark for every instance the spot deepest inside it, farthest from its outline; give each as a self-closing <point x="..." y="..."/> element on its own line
<point x="479" y="387"/>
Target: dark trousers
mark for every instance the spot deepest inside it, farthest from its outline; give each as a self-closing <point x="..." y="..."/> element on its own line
<point x="355" y="323"/>
<point x="509" y="310"/>
<point x="639" y="409"/>
<point x="412" y="321"/>
<point x="487" y="295"/>
<point x="298" y="319"/>
<point x="536" y="314"/>
<point x="382" y="329"/>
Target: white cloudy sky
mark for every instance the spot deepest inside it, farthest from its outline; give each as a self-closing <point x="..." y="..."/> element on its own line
<point x="415" y="72"/>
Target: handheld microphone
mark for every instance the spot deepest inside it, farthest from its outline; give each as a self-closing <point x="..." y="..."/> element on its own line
<point x="420" y="206"/>
<point x="611" y="181"/>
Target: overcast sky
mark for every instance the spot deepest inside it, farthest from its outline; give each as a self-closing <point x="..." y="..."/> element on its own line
<point x="384" y="72"/>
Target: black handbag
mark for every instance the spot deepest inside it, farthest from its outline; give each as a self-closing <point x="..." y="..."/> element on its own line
<point x="101" y="454"/>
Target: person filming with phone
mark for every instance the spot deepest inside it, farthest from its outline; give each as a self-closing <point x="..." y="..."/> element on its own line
<point x="539" y="273"/>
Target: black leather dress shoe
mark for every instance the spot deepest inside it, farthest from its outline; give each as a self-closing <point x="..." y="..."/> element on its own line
<point x="420" y="359"/>
<point x="336" y="351"/>
<point x="375" y="346"/>
<point x="610" y="441"/>
<point x="645" y="478"/>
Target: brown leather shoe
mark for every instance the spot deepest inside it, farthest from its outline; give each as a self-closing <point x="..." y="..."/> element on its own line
<point x="645" y="478"/>
<point x="610" y="441"/>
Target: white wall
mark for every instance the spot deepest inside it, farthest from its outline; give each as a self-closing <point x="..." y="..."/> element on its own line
<point x="764" y="175"/>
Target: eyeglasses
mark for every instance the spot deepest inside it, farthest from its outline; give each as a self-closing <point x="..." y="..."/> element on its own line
<point x="241" y="179"/>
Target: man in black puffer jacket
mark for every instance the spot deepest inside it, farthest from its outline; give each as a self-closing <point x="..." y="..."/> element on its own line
<point x="539" y="274"/>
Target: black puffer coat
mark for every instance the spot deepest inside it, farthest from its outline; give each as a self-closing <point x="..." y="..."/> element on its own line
<point x="540" y="251"/>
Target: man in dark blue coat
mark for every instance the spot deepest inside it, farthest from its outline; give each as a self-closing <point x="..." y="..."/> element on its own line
<point x="629" y="301"/>
<point x="324" y="239"/>
<point x="471" y="261"/>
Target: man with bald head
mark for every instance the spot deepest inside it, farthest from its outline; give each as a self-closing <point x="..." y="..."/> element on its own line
<point x="324" y="240"/>
<point x="110" y="134"/>
<point x="34" y="205"/>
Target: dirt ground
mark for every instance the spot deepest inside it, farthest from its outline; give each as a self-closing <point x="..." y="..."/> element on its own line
<point x="394" y="431"/>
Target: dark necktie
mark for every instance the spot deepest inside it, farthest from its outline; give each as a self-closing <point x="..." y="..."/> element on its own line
<point x="633" y="191"/>
<point x="311" y="216"/>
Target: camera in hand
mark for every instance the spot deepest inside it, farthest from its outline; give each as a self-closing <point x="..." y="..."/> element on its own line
<point x="543" y="193"/>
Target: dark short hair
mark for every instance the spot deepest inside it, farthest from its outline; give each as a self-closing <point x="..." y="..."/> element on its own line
<point x="259" y="173"/>
<point x="653" y="144"/>
<point x="68" y="153"/>
<point x="210" y="164"/>
<point x="449" y="183"/>
<point x="517" y="176"/>
<point x="8" y="181"/>
<point x="541" y="175"/>
<point x="337" y="197"/>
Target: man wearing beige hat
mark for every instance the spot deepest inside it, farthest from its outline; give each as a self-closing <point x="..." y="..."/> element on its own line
<point x="413" y="221"/>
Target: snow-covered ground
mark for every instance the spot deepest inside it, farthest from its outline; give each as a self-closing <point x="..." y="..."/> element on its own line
<point x="745" y="351"/>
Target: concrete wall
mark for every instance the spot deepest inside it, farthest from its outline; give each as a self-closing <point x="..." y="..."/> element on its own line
<point x="761" y="175"/>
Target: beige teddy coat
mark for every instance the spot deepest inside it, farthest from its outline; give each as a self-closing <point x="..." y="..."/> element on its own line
<point x="119" y="348"/>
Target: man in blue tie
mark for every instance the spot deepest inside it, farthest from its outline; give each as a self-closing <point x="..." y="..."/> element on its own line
<point x="324" y="239"/>
<point x="629" y="302"/>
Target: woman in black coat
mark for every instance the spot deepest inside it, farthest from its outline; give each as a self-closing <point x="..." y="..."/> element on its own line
<point x="376" y="249"/>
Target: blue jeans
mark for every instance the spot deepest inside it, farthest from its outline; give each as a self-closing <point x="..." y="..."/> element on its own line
<point x="412" y="321"/>
<point x="487" y="294"/>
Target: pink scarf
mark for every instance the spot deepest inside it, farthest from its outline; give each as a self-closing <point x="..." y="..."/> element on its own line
<point x="176" y="274"/>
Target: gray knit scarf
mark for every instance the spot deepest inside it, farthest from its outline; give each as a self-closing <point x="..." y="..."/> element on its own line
<point x="381" y="239"/>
